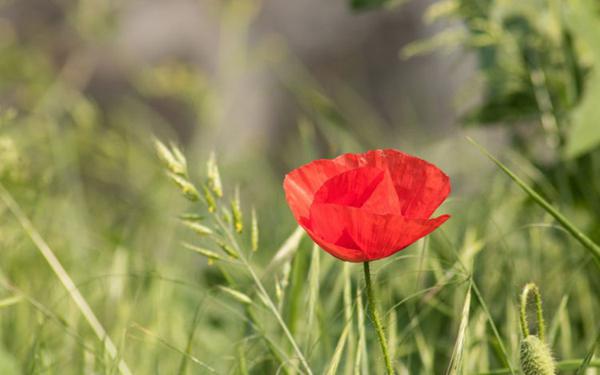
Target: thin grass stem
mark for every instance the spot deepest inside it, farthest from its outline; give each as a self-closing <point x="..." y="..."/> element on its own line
<point x="267" y="299"/>
<point x="584" y="240"/>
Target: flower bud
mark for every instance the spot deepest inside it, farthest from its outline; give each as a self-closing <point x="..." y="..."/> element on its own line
<point x="536" y="358"/>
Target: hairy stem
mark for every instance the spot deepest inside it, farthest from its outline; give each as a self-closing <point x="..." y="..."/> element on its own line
<point x="532" y="288"/>
<point x="376" y="319"/>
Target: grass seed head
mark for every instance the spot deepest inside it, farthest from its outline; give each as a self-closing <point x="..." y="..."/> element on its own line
<point x="187" y="188"/>
<point x="178" y="156"/>
<point x="172" y="158"/>
<point x="239" y="296"/>
<point x="210" y="200"/>
<point x="227" y="249"/>
<point x="209" y="254"/>
<point x="214" y="177"/>
<point x="236" y="210"/>
<point x="254" y="234"/>
<point x="188" y="216"/>
<point x="199" y="229"/>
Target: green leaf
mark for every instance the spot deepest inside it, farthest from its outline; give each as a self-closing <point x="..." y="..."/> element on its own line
<point x="337" y="355"/>
<point x="457" y="354"/>
<point x="588" y="358"/>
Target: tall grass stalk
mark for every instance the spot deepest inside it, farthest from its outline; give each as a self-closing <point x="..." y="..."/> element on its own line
<point x="583" y="239"/>
<point x="64" y="278"/>
<point x="457" y="354"/>
<point x="264" y="295"/>
<point x="494" y="328"/>
<point x="588" y="358"/>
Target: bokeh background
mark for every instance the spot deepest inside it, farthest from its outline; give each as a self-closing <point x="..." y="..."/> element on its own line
<point x="85" y="87"/>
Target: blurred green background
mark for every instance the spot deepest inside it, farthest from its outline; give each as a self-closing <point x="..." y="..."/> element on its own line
<point x="269" y="85"/>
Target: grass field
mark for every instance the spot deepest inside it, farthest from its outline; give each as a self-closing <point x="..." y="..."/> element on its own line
<point x="112" y="261"/>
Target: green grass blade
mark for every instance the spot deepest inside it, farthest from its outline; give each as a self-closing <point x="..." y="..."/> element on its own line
<point x="586" y="361"/>
<point x="313" y="297"/>
<point x="190" y="341"/>
<point x="348" y="317"/>
<point x="361" y="359"/>
<point x="313" y="286"/>
<point x="172" y="347"/>
<point x="555" y="324"/>
<point x="457" y="353"/>
<point x="566" y="365"/>
<point x="262" y="292"/>
<point x="494" y="328"/>
<point x="286" y="250"/>
<point x="64" y="278"/>
<point x="242" y="365"/>
<point x="587" y="243"/>
<point x="10" y="301"/>
<point x="337" y="354"/>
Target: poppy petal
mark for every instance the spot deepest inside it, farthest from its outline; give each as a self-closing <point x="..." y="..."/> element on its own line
<point x="378" y="236"/>
<point x="367" y="206"/>
<point x="338" y="251"/>
<point x="370" y="188"/>
<point x="421" y="186"/>
<point x="384" y="199"/>
<point x="352" y="188"/>
<point x="301" y="184"/>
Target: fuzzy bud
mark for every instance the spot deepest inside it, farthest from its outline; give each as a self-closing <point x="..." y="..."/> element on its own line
<point x="536" y="358"/>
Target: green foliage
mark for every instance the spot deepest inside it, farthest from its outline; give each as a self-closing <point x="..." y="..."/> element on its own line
<point x="152" y="247"/>
<point x="537" y="60"/>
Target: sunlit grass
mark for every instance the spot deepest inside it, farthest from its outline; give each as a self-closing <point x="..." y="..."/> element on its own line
<point x="110" y="265"/>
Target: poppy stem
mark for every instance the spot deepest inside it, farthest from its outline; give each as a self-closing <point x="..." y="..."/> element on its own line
<point x="376" y="319"/>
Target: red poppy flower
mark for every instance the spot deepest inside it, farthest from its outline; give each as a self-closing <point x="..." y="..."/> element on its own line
<point x="363" y="207"/>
